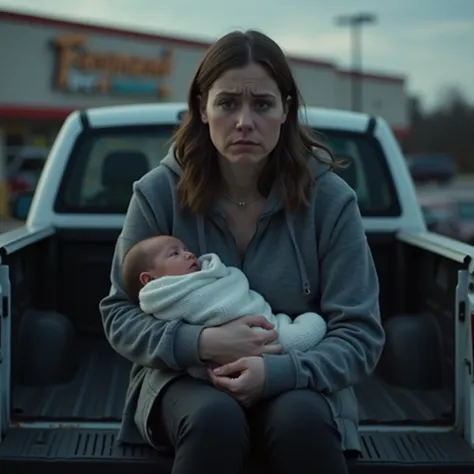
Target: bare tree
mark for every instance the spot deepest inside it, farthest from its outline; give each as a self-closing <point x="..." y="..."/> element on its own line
<point x="447" y="129"/>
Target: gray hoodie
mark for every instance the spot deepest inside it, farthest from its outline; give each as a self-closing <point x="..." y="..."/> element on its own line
<point x="313" y="259"/>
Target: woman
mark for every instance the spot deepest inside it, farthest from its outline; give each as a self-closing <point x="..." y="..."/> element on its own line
<point x="246" y="181"/>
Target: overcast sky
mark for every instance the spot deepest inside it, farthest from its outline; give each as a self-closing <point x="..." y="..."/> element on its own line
<point x="431" y="42"/>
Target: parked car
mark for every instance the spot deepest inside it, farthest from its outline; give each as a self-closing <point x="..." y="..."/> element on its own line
<point x="431" y="167"/>
<point x="439" y="213"/>
<point x="464" y="205"/>
<point x="440" y="219"/>
<point x="24" y="170"/>
<point x="450" y="214"/>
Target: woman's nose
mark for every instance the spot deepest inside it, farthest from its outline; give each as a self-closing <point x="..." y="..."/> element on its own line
<point x="245" y="119"/>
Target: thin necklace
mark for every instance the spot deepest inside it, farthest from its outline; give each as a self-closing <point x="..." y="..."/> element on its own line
<point x="241" y="203"/>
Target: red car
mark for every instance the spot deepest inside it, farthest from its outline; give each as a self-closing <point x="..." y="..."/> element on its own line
<point x="25" y="169"/>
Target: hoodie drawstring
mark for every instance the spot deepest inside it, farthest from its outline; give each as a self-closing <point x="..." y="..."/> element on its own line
<point x="299" y="259"/>
<point x="301" y="266"/>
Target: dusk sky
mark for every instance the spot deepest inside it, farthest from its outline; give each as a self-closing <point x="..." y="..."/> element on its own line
<point x="431" y="42"/>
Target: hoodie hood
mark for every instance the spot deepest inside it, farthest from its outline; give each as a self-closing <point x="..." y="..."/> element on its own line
<point x="171" y="163"/>
<point x="320" y="164"/>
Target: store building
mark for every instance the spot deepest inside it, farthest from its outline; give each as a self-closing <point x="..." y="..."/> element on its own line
<point x="51" y="67"/>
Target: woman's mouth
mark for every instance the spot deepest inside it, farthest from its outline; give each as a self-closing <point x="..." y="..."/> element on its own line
<point x="242" y="142"/>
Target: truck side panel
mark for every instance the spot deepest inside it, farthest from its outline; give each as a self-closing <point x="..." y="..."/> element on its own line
<point x="439" y="283"/>
<point x="5" y="343"/>
<point x="23" y="253"/>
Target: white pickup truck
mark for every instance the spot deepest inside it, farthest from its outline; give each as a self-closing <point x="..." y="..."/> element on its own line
<point x="62" y="386"/>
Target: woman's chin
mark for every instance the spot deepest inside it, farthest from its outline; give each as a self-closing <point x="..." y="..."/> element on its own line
<point x="245" y="158"/>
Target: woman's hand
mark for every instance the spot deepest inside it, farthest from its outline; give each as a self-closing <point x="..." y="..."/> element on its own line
<point x="236" y="340"/>
<point x="244" y="379"/>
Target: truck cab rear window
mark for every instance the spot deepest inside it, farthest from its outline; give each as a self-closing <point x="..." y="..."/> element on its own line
<point x="105" y="163"/>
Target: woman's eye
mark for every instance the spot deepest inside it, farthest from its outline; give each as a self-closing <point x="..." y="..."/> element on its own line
<point x="262" y="105"/>
<point x="227" y="104"/>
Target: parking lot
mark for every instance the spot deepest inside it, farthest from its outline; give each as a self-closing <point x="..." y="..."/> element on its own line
<point x="463" y="183"/>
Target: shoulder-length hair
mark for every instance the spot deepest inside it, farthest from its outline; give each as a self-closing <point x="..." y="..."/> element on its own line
<point x="288" y="163"/>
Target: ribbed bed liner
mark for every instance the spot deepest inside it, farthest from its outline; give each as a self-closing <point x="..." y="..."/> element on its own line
<point x="97" y="393"/>
<point x="77" y="451"/>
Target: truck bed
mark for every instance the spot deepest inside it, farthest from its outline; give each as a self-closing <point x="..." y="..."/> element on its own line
<point x="94" y="451"/>
<point x="72" y="427"/>
<point x="97" y="393"/>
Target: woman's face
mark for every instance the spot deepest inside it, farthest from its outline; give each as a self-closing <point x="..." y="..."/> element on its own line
<point x="244" y="112"/>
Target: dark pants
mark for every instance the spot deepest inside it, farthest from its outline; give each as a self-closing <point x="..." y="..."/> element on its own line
<point x="211" y="432"/>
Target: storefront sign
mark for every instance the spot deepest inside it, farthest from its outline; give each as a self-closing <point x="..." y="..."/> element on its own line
<point x="80" y="69"/>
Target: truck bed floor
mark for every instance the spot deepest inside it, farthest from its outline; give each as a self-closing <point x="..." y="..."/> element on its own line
<point x="78" y="450"/>
<point x="97" y="391"/>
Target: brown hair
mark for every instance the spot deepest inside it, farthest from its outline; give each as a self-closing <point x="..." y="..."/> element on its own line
<point x="136" y="261"/>
<point x="195" y="152"/>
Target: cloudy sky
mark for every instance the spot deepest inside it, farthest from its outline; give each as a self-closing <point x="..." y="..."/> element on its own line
<point x="431" y="42"/>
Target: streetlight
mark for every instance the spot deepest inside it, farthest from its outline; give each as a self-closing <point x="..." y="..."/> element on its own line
<point x="355" y="22"/>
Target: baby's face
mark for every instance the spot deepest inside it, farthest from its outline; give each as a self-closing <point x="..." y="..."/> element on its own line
<point x="171" y="257"/>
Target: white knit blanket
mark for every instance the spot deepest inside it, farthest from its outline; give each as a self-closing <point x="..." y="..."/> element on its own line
<point x="218" y="294"/>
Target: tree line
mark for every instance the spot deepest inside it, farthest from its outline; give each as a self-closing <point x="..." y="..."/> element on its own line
<point x="448" y="128"/>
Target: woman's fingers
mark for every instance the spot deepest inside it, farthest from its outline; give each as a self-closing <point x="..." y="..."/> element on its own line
<point x="257" y="321"/>
<point x="266" y="337"/>
<point x="272" y="349"/>
<point x="232" y="385"/>
<point x="231" y="368"/>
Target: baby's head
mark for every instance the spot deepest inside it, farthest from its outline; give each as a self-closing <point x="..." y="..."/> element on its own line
<point x="154" y="258"/>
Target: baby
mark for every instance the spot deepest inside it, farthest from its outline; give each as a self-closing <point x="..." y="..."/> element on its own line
<point x="169" y="282"/>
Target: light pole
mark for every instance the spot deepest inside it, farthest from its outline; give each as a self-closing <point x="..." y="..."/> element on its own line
<point x="355" y="22"/>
